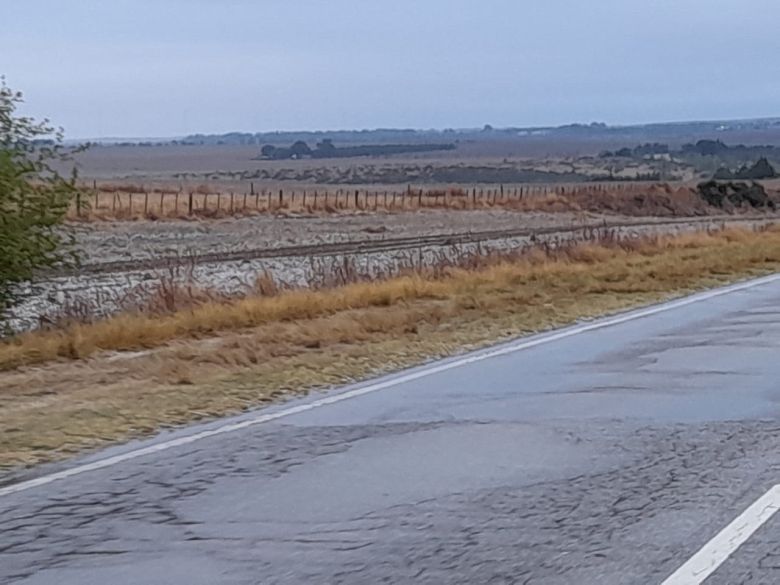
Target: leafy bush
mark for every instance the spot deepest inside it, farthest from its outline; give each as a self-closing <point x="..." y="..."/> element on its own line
<point x="34" y="198"/>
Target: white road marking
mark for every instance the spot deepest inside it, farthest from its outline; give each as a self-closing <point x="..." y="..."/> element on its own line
<point x="513" y="347"/>
<point x="716" y="551"/>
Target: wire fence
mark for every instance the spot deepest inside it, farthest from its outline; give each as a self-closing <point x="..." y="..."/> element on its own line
<point x="133" y="202"/>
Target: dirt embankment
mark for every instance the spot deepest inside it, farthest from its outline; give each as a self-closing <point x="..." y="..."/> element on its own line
<point x="102" y="290"/>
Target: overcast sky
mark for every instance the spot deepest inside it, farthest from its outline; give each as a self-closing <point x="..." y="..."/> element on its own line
<point x="173" y="67"/>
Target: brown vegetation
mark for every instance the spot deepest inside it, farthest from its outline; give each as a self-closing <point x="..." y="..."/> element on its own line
<point x="123" y="202"/>
<point x="214" y="358"/>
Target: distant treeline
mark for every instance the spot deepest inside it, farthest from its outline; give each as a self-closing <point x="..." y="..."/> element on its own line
<point x="638" y="151"/>
<point x="326" y="149"/>
<point x="663" y="131"/>
<point x="719" y="148"/>
<point x="702" y="147"/>
<point x="761" y="170"/>
<point x="381" y="135"/>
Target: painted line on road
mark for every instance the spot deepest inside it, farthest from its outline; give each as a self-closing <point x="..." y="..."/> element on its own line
<point x="712" y="555"/>
<point x="424" y="372"/>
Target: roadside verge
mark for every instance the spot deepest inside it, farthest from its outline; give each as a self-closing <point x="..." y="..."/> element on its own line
<point x="132" y="375"/>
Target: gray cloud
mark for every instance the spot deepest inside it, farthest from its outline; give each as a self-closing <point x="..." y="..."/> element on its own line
<point x="169" y="67"/>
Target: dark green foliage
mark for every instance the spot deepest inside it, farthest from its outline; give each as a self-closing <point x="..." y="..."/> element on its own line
<point x="761" y="170"/>
<point x="34" y="198"/>
<point x="640" y="151"/>
<point x="326" y="149"/>
<point x="735" y="195"/>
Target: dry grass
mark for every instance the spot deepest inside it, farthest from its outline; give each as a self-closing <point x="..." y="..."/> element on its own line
<point x="134" y="202"/>
<point x="219" y="358"/>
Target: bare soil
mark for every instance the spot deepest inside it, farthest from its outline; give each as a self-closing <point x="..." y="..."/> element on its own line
<point x="112" y="241"/>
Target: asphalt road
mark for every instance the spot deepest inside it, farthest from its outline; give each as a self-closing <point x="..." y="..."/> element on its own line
<point x="604" y="456"/>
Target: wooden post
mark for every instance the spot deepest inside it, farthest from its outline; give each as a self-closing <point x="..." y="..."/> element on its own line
<point x="251" y="188"/>
<point x="219" y="201"/>
<point x="304" y="198"/>
<point x="113" y="203"/>
<point x="281" y="196"/>
<point x="130" y="196"/>
<point x="243" y="208"/>
<point x="419" y="199"/>
<point x="231" y="202"/>
<point x="257" y="201"/>
<point x="162" y="195"/>
<point x="176" y="203"/>
<point x="357" y="195"/>
<point x="78" y="203"/>
<point x="189" y="204"/>
<point x="315" y="199"/>
<point x="146" y="203"/>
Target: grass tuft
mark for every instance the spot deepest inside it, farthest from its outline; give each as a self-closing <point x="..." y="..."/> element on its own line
<point x="89" y="384"/>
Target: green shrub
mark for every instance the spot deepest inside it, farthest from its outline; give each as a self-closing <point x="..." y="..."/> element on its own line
<point x="34" y="198"/>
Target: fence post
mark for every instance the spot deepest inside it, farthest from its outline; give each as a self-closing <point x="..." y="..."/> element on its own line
<point x="281" y="197"/>
<point x="357" y="195"/>
<point x="419" y="199"/>
<point x="162" y="197"/>
<point x="244" y="206"/>
<point x="232" y="207"/>
<point x="251" y="188"/>
<point x="130" y="196"/>
<point x="176" y="203"/>
<point x="189" y="204"/>
<point x="78" y="203"/>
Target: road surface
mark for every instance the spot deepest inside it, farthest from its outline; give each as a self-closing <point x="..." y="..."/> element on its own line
<point x="608" y="453"/>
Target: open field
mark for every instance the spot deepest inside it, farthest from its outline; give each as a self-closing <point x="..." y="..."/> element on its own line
<point x="509" y="157"/>
<point x="127" y="376"/>
<point x="226" y="241"/>
<point x="135" y="201"/>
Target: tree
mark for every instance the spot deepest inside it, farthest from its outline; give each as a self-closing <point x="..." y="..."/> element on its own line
<point x="268" y="151"/>
<point x="300" y="148"/>
<point x="34" y="198"/>
<point x="326" y="146"/>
